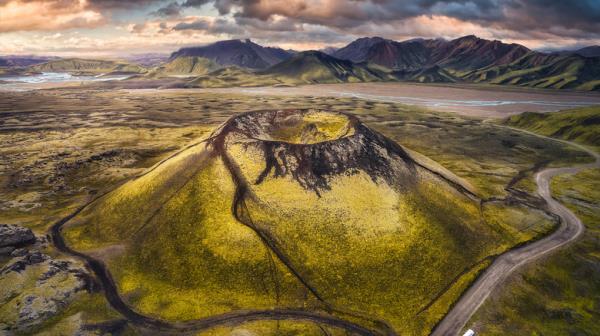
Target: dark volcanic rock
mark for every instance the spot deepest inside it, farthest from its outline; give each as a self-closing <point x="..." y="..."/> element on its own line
<point x="353" y="149"/>
<point x="14" y="235"/>
<point x="20" y="264"/>
<point x="37" y="287"/>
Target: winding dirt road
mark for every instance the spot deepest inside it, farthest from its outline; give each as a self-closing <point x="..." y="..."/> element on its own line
<point x="570" y="229"/>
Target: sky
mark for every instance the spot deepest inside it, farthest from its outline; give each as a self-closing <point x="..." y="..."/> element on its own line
<point x="120" y="28"/>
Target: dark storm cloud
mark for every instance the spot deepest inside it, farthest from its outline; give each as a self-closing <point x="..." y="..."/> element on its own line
<point x="218" y="26"/>
<point x="196" y="3"/>
<point x="172" y="9"/>
<point x="268" y="31"/>
<point x="574" y="18"/>
<point x="581" y="16"/>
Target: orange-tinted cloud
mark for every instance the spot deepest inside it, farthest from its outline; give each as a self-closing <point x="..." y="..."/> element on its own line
<point x="47" y="15"/>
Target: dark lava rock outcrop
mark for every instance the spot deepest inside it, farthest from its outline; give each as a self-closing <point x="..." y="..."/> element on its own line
<point x="34" y="287"/>
<point x="14" y="236"/>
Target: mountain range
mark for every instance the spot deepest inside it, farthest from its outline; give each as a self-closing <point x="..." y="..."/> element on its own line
<point x="468" y="59"/>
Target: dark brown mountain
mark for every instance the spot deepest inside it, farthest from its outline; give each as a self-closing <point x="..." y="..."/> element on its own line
<point x="465" y="53"/>
<point x="409" y="56"/>
<point x="242" y="53"/>
<point x="471" y="52"/>
<point x="591" y="51"/>
<point x="357" y="50"/>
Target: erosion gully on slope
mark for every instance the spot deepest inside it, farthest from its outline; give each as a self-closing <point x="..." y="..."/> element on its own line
<point x="165" y="327"/>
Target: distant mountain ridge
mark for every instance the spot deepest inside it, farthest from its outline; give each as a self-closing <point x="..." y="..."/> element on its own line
<point x="465" y="53"/>
<point x="468" y="59"/>
<point x="23" y="61"/>
<point x="242" y="53"/>
<point x="87" y="66"/>
<point x="185" y="66"/>
<point x="591" y="51"/>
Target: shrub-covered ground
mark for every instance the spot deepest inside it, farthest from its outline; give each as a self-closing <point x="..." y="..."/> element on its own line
<point x="561" y="295"/>
<point x="579" y="125"/>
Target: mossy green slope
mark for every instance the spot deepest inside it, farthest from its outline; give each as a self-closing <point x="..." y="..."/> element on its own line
<point x="543" y="71"/>
<point x="233" y="76"/>
<point x="579" y="125"/>
<point x="299" y="209"/>
<point x="185" y="66"/>
<point x="185" y="254"/>
<point x="434" y="74"/>
<point x="317" y="67"/>
<point x="308" y="67"/>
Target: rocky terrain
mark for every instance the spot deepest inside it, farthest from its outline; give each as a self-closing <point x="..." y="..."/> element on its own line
<point x="35" y="286"/>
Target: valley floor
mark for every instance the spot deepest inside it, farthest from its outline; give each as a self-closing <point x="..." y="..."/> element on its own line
<point x="477" y="100"/>
<point x="487" y="101"/>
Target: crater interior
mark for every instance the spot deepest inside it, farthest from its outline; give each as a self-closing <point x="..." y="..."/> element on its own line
<point x="305" y="127"/>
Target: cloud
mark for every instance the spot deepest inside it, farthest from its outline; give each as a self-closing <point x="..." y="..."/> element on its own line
<point x="297" y="24"/>
<point x="172" y="9"/>
<point x="121" y="4"/>
<point x="196" y="3"/>
<point x="574" y="18"/>
<point x="47" y="15"/>
<point x="211" y="26"/>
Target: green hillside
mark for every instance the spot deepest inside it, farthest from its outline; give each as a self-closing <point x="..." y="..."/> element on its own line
<point x="78" y="65"/>
<point x="309" y="67"/>
<point x="579" y="125"/>
<point x="233" y="76"/>
<point x="317" y="67"/>
<point x="185" y="66"/>
<point x="434" y="74"/>
<point x="558" y="295"/>
<point x="543" y="71"/>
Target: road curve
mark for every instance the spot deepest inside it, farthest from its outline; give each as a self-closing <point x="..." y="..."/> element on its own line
<point x="570" y="229"/>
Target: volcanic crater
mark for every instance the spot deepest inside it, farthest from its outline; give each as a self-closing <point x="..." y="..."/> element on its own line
<point x="286" y="214"/>
<point x="314" y="146"/>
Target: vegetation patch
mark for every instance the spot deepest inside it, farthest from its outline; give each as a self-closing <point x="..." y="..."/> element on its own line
<point x="579" y="125"/>
<point x="560" y="295"/>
